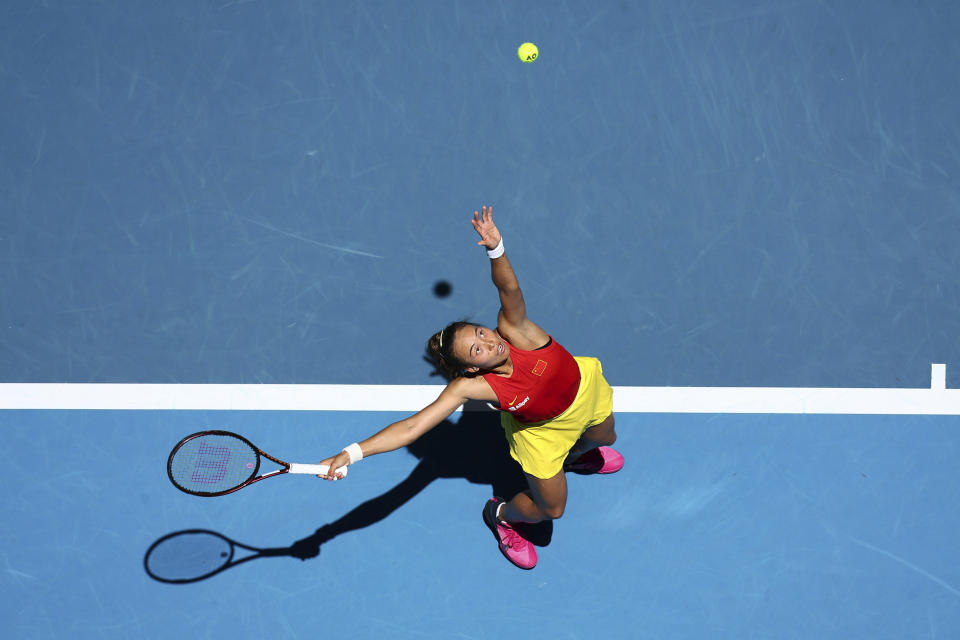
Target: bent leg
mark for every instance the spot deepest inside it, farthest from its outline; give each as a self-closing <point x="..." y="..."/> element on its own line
<point x="599" y="435"/>
<point x="545" y="500"/>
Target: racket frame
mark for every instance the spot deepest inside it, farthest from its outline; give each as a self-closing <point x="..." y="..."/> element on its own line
<point x="285" y="466"/>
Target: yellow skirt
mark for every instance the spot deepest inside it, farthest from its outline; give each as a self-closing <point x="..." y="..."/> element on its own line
<point x="541" y="447"/>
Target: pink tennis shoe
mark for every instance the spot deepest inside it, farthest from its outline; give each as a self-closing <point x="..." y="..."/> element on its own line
<point x="513" y="546"/>
<point x="599" y="460"/>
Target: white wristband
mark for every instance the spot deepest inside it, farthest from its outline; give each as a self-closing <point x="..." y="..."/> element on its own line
<point x="355" y="452"/>
<point x="497" y="251"/>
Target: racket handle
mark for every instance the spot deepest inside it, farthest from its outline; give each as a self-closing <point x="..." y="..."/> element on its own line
<point x="313" y="469"/>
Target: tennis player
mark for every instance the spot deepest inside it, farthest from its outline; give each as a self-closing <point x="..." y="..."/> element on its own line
<point x="556" y="409"/>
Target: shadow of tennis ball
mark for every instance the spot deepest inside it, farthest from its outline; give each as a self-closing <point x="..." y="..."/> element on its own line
<point x="442" y="288"/>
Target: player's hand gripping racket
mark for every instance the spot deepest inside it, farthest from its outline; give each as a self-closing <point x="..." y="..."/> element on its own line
<point x="215" y="463"/>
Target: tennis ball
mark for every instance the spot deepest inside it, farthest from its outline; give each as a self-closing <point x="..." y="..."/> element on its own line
<point x="528" y="52"/>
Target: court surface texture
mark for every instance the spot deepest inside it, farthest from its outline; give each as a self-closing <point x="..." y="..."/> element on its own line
<point x="234" y="214"/>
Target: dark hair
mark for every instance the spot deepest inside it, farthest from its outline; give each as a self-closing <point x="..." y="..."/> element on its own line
<point x="440" y="351"/>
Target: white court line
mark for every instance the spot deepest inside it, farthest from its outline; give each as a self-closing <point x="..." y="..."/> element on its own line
<point x="337" y="397"/>
<point x="938" y="376"/>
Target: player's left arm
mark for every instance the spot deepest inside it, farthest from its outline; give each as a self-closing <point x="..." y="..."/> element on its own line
<point x="512" y="320"/>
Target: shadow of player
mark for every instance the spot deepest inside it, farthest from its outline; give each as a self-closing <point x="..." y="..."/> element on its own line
<point x="473" y="449"/>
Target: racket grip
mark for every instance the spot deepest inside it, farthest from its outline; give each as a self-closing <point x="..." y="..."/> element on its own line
<point x="313" y="469"/>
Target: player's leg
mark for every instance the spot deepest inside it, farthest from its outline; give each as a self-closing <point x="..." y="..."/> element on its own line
<point x="592" y="453"/>
<point x="545" y="500"/>
<point x="599" y="435"/>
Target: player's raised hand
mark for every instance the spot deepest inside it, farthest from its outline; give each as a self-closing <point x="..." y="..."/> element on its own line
<point x="483" y="223"/>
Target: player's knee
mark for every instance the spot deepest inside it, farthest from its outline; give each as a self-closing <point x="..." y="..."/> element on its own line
<point x="609" y="437"/>
<point x="554" y="512"/>
<point x="606" y="435"/>
<point x="613" y="431"/>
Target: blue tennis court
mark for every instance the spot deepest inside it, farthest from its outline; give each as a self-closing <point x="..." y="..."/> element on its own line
<point x="732" y="526"/>
<point x="234" y="215"/>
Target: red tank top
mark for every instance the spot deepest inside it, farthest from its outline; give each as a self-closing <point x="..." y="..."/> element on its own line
<point x="544" y="383"/>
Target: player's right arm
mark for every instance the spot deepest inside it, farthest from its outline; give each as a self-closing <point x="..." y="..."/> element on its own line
<point x="404" y="432"/>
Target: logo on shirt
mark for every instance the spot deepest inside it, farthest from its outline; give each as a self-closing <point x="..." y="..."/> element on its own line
<point x="540" y="367"/>
<point x="525" y="400"/>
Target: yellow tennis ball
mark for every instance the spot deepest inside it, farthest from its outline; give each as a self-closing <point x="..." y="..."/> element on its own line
<point x="528" y="52"/>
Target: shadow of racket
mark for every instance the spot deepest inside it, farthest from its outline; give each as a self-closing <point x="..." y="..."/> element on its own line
<point x="192" y="555"/>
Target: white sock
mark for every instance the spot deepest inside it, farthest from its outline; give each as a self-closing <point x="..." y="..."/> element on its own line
<point x="499" y="507"/>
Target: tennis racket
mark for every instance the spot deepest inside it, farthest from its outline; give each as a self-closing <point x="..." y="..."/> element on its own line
<point x="195" y="554"/>
<point x="215" y="463"/>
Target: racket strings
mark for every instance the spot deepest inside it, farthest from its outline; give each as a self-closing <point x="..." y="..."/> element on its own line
<point x="213" y="463"/>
